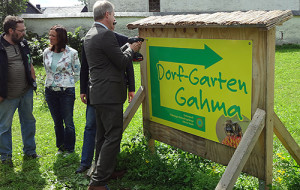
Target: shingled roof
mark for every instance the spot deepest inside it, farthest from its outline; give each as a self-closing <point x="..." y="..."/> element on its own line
<point x="264" y="19"/>
<point x="64" y="10"/>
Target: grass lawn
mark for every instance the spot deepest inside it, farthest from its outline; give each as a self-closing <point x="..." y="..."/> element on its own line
<point x="170" y="168"/>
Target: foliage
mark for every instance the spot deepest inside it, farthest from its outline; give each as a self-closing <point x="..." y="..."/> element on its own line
<point x="286" y="171"/>
<point x="286" y="47"/>
<point x="8" y="7"/>
<point x="40" y="91"/>
<point x="85" y="2"/>
<point x="37" y="45"/>
<point x="75" y="39"/>
<point x="167" y="168"/>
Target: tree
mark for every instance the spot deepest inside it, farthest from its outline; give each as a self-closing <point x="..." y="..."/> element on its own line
<point x="84" y="2"/>
<point x="11" y="7"/>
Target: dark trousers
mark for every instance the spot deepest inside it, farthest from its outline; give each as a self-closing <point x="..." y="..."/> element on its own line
<point x="109" y="119"/>
<point x="61" y="106"/>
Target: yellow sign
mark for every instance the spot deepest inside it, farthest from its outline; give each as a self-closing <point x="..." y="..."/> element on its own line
<point x="201" y="86"/>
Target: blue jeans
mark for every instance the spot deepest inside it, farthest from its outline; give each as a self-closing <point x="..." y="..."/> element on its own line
<point x="89" y="137"/>
<point x="27" y="121"/>
<point x="61" y="106"/>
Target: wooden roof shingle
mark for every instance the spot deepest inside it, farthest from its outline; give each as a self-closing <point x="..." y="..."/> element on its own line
<point x="263" y="19"/>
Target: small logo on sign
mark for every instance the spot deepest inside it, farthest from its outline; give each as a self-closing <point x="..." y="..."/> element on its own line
<point x="199" y="123"/>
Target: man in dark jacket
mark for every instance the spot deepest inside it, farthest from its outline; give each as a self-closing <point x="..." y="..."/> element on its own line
<point x="88" y="146"/>
<point x="107" y="90"/>
<point x="16" y="88"/>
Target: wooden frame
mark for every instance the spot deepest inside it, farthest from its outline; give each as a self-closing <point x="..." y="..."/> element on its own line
<point x="197" y="145"/>
<point x="261" y="155"/>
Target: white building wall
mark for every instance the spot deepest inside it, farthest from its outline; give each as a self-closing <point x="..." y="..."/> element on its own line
<point x="289" y="32"/>
<point x="40" y="23"/>
<point x="203" y="5"/>
<point x="125" y="5"/>
<point x="226" y="5"/>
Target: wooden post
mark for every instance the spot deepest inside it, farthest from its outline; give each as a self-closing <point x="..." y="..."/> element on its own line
<point x="133" y="106"/>
<point x="243" y="151"/>
<point x="144" y="82"/>
<point x="269" y="105"/>
<point x="286" y="139"/>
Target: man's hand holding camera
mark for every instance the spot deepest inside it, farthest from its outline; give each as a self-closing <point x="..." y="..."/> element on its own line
<point x="136" y="46"/>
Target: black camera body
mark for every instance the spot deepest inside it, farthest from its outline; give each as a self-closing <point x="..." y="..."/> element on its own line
<point x="136" y="56"/>
<point x="132" y="40"/>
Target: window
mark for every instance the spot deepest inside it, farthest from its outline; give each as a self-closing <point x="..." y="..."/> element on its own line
<point x="154" y="5"/>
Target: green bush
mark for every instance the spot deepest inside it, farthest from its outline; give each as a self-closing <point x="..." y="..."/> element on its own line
<point x="75" y="39"/>
<point x="37" y="44"/>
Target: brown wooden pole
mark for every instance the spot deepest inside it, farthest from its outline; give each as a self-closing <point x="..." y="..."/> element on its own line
<point x="243" y="151"/>
<point x="269" y="105"/>
<point x="286" y="139"/>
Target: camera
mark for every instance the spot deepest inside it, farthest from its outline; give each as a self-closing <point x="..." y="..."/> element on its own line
<point x="136" y="56"/>
<point x="132" y="40"/>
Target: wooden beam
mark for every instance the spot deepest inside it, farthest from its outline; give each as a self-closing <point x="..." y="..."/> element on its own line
<point x="243" y="151"/>
<point x="91" y="170"/>
<point x="133" y="107"/>
<point x="286" y="139"/>
<point x="269" y="106"/>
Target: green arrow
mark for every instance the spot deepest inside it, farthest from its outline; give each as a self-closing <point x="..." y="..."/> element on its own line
<point x="206" y="57"/>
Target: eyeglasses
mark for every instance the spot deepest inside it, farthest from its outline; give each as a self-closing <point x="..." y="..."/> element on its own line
<point x="22" y="31"/>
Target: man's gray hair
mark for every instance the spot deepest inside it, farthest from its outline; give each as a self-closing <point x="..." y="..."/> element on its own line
<point x="100" y="8"/>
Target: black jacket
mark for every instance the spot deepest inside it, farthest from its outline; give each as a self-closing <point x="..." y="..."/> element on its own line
<point x="84" y="71"/>
<point x="107" y="65"/>
<point x="25" y="52"/>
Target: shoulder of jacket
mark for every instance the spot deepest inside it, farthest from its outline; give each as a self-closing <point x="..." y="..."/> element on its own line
<point x="47" y="50"/>
<point x="25" y="41"/>
<point x="24" y="44"/>
<point x="109" y="33"/>
<point x="71" y="50"/>
<point x="1" y="46"/>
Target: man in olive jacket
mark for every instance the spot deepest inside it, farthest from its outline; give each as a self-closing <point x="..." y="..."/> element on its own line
<point x="107" y="90"/>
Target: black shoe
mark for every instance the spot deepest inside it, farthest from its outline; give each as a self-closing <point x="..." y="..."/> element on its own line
<point x="82" y="169"/>
<point x="32" y="156"/>
<point x="8" y="162"/>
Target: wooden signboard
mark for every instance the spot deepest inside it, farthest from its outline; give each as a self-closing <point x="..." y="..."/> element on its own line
<point x="196" y="144"/>
<point x="202" y="72"/>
